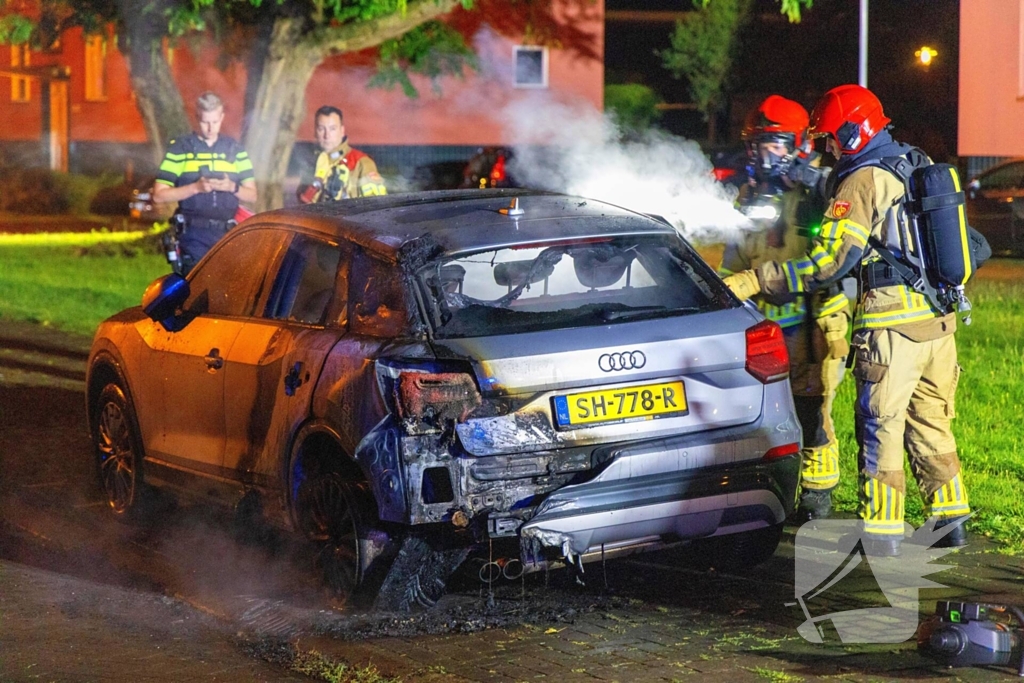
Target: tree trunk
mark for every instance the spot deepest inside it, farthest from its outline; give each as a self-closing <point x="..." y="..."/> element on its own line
<point x="156" y="93"/>
<point x="279" y="108"/>
<point x="294" y="52"/>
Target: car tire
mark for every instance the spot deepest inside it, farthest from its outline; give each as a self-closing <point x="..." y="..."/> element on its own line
<point x="739" y="552"/>
<point x="118" y="451"/>
<point x="339" y="518"/>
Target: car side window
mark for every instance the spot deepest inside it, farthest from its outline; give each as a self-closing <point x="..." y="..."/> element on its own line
<point x="1009" y="177"/>
<point x="376" y="297"/>
<point x="231" y="281"/>
<point x="305" y="289"/>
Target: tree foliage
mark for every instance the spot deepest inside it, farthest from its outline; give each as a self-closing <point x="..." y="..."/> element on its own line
<point x="705" y="43"/>
<point x="432" y="50"/>
<point x="633" y="106"/>
<point x="703" y="47"/>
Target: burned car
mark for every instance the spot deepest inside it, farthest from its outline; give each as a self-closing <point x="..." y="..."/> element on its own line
<point x="549" y="377"/>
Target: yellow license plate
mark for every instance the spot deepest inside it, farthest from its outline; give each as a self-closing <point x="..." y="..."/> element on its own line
<point x="625" y="404"/>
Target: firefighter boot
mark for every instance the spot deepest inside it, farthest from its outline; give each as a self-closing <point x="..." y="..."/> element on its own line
<point x="957" y="538"/>
<point x="881" y="547"/>
<point x="814" y="504"/>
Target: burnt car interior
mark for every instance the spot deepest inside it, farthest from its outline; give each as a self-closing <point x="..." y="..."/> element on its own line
<point x="305" y="284"/>
<point x="588" y="282"/>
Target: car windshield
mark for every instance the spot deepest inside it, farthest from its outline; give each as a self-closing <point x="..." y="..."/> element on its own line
<point x="579" y="283"/>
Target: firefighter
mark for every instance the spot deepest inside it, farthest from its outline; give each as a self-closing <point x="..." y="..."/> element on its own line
<point x="208" y="174"/>
<point x="904" y="353"/>
<point x="341" y="172"/>
<point x="815" y="326"/>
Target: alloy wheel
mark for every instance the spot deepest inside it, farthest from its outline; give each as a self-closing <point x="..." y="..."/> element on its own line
<point x="116" y="457"/>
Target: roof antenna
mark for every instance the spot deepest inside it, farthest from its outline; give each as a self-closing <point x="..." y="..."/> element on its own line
<point x="512" y="209"/>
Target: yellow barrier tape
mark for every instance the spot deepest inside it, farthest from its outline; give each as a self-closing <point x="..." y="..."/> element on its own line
<point x="77" y="239"/>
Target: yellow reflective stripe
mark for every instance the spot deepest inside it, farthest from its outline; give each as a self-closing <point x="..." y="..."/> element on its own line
<point x="858" y="232"/>
<point x="830" y="230"/>
<point x="168" y="183"/>
<point x="372" y="190"/>
<point x="174" y="157"/>
<point x="786" y="315"/>
<point x="793" y="280"/>
<point x="215" y="166"/>
<point x="821" y="465"/>
<point x="859" y="324"/>
<point x="724" y="272"/>
<point x="243" y="164"/>
<point x="832" y="306"/>
<point x="963" y="227"/>
<point x="175" y="168"/>
<point x="821" y="256"/>
<point x="949" y="500"/>
<point x="881" y="508"/>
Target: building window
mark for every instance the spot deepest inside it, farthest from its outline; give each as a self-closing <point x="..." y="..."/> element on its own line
<point x="21" y="86"/>
<point x="532" y="66"/>
<point x="95" y="68"/>
<point x="1020" y="50"/>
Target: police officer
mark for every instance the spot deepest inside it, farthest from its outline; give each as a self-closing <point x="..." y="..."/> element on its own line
<point x="815" y="327"/>
<point x="341" y="172"/>
<point x="207" y="174"/>
<point x="904" y="352"/>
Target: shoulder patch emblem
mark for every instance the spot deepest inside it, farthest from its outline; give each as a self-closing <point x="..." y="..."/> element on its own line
<point x="840" y="209"/>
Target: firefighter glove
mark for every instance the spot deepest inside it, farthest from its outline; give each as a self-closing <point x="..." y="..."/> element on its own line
<point x="743" y="284"/>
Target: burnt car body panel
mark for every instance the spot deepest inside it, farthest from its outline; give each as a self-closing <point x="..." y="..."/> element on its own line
<point x="229" y="397"/>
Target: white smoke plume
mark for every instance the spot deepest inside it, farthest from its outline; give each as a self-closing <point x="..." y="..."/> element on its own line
<point x="575" y="149"/>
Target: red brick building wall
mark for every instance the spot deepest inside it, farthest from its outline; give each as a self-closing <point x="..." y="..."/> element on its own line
<point x="467" y="112"/>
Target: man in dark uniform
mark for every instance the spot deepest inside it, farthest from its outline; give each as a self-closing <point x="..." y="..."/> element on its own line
<point x="207" y="174"/>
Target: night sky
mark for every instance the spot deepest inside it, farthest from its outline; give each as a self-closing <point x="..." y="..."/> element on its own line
<point x="801" y="61"/>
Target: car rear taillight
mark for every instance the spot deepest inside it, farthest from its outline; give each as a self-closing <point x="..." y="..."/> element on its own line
<point x="767" y="358"/>
<point x="723" y="174"/>
<point x="781" y="451"/>
<point x="436" y="396"/>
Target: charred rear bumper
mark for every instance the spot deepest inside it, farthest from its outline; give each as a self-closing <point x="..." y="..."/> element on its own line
<point x="615" y="517"/>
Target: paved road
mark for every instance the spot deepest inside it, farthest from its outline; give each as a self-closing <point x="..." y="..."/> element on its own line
<point x="248" y="610"/>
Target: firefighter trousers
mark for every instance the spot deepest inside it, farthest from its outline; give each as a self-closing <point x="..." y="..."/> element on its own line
<point x="905" y="401"/>
<point x="817" y="361"/>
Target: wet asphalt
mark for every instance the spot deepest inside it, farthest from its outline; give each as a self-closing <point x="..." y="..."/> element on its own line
<point x="262" y="597"/>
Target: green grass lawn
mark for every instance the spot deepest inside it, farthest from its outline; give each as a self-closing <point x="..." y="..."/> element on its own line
<point x="988" y="428"/>
<point x="75" y="290"/>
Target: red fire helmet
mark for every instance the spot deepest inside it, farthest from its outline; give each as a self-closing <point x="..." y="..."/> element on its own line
<point x="776" y="116"/>
<point x="851" y="114"/>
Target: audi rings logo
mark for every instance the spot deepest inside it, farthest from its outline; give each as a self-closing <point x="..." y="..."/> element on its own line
<point x="627" y="360"/>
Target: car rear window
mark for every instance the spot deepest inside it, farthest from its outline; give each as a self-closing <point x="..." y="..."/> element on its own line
<point x="580" y="283"/>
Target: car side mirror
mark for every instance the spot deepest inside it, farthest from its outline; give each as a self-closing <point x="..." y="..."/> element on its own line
<point x="163" y="298"/>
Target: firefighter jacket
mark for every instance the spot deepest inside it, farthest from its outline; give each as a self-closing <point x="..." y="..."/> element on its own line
<point x="780" y="242"/>
<point x="866" y="203"/>
<point x="189" y="158"/>
<point x="345" y="173"/>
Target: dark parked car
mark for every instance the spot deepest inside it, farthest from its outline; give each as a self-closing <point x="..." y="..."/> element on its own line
<point x="554" y="377"/>
<point x="995" y="207"/>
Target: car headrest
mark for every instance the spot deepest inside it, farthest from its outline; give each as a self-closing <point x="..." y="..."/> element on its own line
<point x="514" y="273"/>
<point x="600" y="266"/>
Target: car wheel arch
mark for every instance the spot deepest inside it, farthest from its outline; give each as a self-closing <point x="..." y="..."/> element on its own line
<point x="316" y="446"/>
<point x="104" y="369"/>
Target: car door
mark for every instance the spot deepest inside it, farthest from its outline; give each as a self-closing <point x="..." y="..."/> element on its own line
<point x="183" y="421"/>
<point x="996" y="206"/>
<point x="272" y="368"/>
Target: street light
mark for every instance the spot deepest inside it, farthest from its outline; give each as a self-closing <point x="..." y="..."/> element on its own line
<point x="925" y="56"/>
